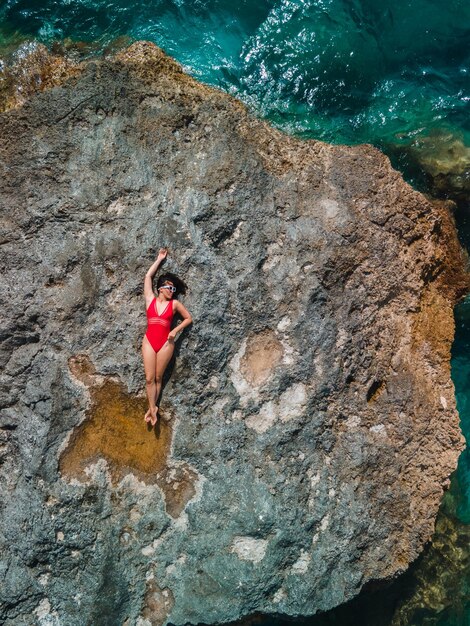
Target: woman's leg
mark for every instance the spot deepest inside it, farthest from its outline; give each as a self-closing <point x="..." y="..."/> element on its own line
<point x="163" y="357"/>
<point x="149" y="356"/>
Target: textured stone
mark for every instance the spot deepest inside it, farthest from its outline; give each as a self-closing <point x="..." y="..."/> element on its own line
<point x="309" y="417"/>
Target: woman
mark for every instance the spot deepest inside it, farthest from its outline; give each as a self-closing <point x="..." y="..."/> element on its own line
<point x="159" y="340"/>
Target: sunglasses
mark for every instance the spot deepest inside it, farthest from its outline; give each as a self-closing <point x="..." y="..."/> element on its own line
<point x="170" y="287"/>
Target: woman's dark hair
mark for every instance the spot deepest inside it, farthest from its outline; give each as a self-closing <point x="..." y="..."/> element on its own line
<point x="180" y="285"/>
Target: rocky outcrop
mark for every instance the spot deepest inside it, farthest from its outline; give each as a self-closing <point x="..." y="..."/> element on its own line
<point x="308" y="422"/>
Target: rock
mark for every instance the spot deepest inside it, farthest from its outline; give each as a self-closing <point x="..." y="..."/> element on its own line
<point x="443" y="157"/>
<point x="308" y="422"/>
<point x="29" y="69"/>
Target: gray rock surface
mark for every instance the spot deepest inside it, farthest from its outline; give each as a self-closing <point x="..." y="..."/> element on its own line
<point x="309" y="424"/>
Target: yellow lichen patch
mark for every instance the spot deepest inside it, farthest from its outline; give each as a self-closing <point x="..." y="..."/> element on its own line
<point x="263" y="352"/>
<point x="177" y="484"/>
<point x="157" y="604"/>
<point x="434" y="324"/>
<point x="83" y="369"/>
<point x="115" y="430"/>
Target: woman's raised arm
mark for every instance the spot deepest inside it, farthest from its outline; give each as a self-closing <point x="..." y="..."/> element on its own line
<point x="148" y="290"/>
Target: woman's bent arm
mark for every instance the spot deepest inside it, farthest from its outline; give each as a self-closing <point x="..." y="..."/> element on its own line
<point x="187" y="319"/>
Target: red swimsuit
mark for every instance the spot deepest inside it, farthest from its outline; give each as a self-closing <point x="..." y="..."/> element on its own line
<point x="158" y="325"/>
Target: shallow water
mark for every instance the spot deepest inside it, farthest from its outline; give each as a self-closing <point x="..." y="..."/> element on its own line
<point x="394" y="73"/>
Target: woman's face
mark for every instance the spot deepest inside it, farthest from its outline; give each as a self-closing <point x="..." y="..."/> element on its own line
<point x="166" y="290"/>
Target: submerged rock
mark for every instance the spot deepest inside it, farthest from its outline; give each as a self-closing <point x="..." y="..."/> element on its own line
<point x="309" y="424"/>
<point x="442" y="158"/>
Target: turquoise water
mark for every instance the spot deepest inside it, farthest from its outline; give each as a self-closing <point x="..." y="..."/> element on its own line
<point x="378" y="71"/>
<point x="394" y="73"/>
<point x="461" y="378"/>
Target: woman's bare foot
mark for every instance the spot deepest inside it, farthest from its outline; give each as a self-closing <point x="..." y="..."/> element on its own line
<point x="154" y="416"/>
